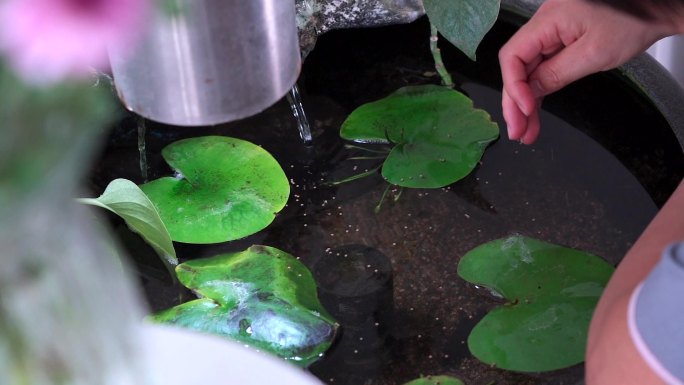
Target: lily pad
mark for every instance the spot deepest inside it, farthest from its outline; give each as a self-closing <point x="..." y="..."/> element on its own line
<point x="436" y="380"/>
<point x="464" y="22"/>
<point x="125" y="199"/>
<point x="262" y="297"/>
<point x="438" y="136"/>
<point x="551" y="292"/>
<point x="226" y="189"/>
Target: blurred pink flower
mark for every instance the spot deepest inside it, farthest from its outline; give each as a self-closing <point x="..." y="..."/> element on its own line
<point x="49" y="40"/>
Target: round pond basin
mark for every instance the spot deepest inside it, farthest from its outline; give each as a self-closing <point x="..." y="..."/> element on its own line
<point x="605" y="161"/>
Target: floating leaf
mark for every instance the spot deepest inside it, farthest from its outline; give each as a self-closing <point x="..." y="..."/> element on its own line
<point x="436" y="380"/>
<point x="438" y="135"/>
<point x="262" y="297"/>
<point x="464" y="22"/>
<point x="551" y="293"/>
<point x="226" y="189"/>
<point x="125" y="199"/>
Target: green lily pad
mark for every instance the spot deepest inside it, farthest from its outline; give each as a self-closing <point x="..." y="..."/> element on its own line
<point x="438" y="136"/>
<point x="436" y="380"/>
<point x="464" y="22"/>
<point x="262" y="297"/>
<point x="125" y="199"/>
<point x="551" y="292"/>
<point x="226" y="189"/>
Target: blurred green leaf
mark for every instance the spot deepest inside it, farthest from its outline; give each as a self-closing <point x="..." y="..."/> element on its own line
<point x="438" y="136"/>
<point x="226" y="189"/>
<point x="463" y="22"/>
<point x="262" y="297"/>
<point x="125" y="199"/>
<point x="48" y="134"/>
<point x="551" y="292"/>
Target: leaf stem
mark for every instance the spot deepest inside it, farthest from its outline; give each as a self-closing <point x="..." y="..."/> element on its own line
<point x="354" y="147"/>
<point x="437" y="56"/>
<point x="367" y="157"/>
<point x="355" y="177"/>
<point x="382" y="198"/>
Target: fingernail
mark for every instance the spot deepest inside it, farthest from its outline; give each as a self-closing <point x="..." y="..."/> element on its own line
<point x="524" y="110"/>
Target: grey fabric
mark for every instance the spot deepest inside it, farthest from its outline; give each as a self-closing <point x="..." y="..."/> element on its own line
<point x="659" y="311"/>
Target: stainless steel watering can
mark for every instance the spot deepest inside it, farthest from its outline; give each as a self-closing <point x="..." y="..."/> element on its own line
<point x="211" y="62"/>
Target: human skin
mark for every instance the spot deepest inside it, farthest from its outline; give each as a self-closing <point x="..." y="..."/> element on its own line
<point x="612" y="357"/>
<point x="564" y="41"/>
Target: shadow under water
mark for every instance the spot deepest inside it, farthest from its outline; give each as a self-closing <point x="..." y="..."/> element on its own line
<point x="592" y="181"/>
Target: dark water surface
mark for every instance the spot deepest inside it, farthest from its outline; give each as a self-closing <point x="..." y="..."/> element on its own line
<point x="603" y="164"/>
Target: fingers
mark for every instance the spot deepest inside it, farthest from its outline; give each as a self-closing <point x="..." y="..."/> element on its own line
<point x="533" y="127"/>
<point x="518" y="58"/>
<point x="516" y="120"/>
<point x="573" y="62"/>
<point x="520" y="126"/>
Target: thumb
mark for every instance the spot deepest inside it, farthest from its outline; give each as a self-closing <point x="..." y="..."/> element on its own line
<point x="569" y="64"/>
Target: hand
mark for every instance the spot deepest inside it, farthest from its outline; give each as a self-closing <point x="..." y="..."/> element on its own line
<point x="565" y="41"/>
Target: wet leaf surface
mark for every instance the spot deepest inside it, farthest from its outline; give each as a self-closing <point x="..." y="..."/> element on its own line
<point x="262" y="297"/>
<point x="551" y="292"/>
<point x="226" y="189"/>
<point x="437" y="134"/>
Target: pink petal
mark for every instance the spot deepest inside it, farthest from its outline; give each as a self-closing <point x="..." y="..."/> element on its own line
<point x="48" y="40"/>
